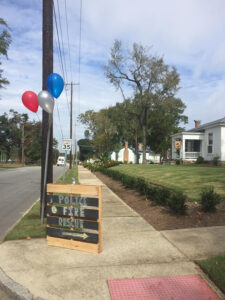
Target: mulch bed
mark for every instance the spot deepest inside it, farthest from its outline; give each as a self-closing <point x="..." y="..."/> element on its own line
<point x="160" y="217"/>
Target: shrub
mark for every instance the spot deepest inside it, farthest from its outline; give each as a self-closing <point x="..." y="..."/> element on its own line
<point x="162" y="196"/>
<point x="104" y="157"/>
<point x="154" y="192"/>
<point x="216" y="160"/>
<point x="177" y="203"/>
<point x="209" y="199"/>
<point x="200" y="160"/>
<point x="111" y="163"/>
<point x="177" y="161"/>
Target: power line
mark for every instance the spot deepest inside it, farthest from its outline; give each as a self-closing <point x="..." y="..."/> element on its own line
<point x="59" y="119"/>
<point x="59" y="47"/>
<point x="68" y="41"/>
<point x="62" y="70"/>
<point x="60" y="54"/>
<point x="79" y="54"/>
<point x="63" y="48"/>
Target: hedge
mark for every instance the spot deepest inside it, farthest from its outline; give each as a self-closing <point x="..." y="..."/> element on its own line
<point x="159" y="194"/>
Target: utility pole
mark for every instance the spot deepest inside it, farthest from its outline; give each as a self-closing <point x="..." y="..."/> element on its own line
<point x="22" y="144"/>
<point x="47" y="68"/>
<point x="71" y="115"/>
<point x="75" y="144"/>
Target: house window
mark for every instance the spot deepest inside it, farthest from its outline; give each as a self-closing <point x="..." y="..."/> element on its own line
<point x="192" y="145"/>
<point x="210" y="143"/>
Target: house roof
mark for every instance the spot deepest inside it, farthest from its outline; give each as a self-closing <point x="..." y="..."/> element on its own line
<point x="203" y="126"/>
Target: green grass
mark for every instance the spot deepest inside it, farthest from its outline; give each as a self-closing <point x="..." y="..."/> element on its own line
<point x="189" y="179"/>
<point x="30" y="225"/>
<point x="69" y="175"/>
<point x="8" y="166"/>
<point x="215" y="268"/>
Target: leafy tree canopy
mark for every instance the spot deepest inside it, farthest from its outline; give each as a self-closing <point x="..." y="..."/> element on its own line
<point x="11" y="128"/>
<point x="5" y="40"/>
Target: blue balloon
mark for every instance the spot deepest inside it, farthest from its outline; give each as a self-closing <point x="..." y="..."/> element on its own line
<point x="55" y="84"/>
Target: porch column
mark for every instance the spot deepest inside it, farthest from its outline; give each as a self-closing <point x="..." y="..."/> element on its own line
<point x="182" y="156"/>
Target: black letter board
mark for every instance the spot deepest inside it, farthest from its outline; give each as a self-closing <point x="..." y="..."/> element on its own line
<point x="74" y="214"/>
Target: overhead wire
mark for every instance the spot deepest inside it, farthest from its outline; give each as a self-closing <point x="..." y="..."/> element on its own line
<point x="61" y="63"/>
<point x="63" y="56"/>
<point x="63" y="48"/>
<point x="63" y="66"/>
<point x="67" y="30"/>
<point x="61" y="51"/>
<point x="79" y="55"/>
<point x="57" y="107"/>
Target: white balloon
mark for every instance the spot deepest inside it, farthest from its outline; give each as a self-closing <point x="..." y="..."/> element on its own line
<point x="46" y="101"/>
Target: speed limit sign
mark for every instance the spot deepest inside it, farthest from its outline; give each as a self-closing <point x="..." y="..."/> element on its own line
<point x="66" y="144"/>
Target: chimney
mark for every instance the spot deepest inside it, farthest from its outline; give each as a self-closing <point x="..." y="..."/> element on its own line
<point x="140" y="147"/>
<point x="126" y="153"/>
<point x="197" y="123"/>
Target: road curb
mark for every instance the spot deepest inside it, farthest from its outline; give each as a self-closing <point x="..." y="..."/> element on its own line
<point x="14" y="290"/>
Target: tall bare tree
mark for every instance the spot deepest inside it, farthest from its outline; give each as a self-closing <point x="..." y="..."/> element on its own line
<point x="147" y="75"/>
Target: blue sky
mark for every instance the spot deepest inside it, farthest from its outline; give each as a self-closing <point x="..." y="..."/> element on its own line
<point x="189" y="34"/>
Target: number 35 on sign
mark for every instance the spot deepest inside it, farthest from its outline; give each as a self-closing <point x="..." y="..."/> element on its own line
<point x="67" y="144"/>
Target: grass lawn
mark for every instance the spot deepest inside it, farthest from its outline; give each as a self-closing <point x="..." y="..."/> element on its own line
<point x="215" y="268"/>
<point x="30" y="225"/>
<point x="7" y="166"/>
<point x="189" y="179"/>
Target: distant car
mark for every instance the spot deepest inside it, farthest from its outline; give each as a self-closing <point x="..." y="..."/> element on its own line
<point x="61" y="161"/>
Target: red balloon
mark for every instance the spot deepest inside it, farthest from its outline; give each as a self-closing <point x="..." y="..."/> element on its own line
<point x="30" y="100"/>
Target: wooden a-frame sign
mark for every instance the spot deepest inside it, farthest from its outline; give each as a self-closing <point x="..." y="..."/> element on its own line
<point x="74" y="217"/>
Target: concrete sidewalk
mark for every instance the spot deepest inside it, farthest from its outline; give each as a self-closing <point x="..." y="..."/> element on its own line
<point x="131" y="249"/>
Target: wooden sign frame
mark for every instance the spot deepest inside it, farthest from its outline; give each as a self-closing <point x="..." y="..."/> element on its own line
<point x="70" y="220"/>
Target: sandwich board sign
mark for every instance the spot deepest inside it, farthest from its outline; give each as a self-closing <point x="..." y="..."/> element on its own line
<point x="74" y="217"/>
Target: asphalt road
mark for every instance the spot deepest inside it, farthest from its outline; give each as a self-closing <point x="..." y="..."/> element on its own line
<point x="19" y="189"/>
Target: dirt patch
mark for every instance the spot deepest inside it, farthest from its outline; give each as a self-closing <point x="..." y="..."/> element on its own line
<point x="160" y="217"/>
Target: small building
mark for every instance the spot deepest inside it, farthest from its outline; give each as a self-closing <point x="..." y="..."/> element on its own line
<point x="207" y="141"/>
<point x="128" y="154"/>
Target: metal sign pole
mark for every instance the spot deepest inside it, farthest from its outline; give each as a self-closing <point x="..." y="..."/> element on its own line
<point x="46" y="167"/>
<point x="65" y="166"/>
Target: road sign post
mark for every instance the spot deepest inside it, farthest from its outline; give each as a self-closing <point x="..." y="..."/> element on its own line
<point x="66" y="146"/>
<point x="64" y="166"/>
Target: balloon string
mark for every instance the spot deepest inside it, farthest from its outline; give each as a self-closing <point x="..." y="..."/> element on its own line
<point x="38" y="117"/>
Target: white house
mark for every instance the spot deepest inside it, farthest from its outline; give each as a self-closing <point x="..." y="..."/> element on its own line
<point x="207" y="140"/>
<point x="128" y="154"/>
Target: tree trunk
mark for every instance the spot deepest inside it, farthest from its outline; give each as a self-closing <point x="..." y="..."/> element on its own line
<point x="136" y="148"/>
<point x="144" y="143"/>
<point x="144" y="129"/>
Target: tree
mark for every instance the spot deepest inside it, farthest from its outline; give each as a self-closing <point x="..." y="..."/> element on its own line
<point x="100" y="129"/>
<point x="86" y="149"/>
<point x="147" y="75"/>
<point x="32" y="142"/>
<point x="125" y="117"/>
<point x="11" y="126"/>
<point x="164" y="121"/>
<point x="5" y="40"/>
